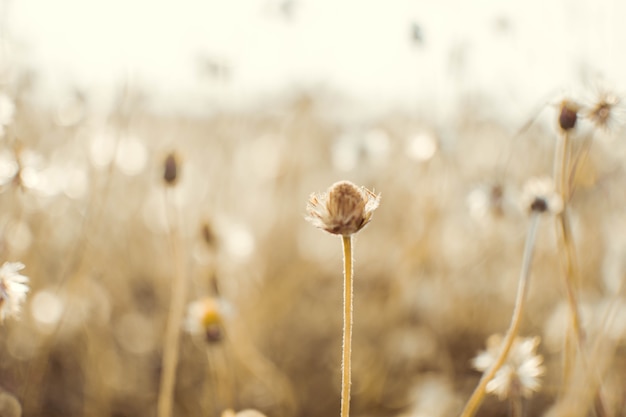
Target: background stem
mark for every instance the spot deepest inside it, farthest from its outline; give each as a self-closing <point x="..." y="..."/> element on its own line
<point x="479" y="393"/>
<point x="174" y="319"/>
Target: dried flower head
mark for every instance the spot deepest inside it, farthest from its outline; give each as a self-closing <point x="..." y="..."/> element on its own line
<point x="13" y="289"/>
<point x="487" y="200"/>
<point x="171" y="168"/>
<point x="208" y="235"/>
<point x="539" y="196"/>
<point x="343" y="210"/>
<point x="603" y="112"/>
<point x="205" y="317"/>
<point x="521" y="370"/>
<point x="568" y="114"/>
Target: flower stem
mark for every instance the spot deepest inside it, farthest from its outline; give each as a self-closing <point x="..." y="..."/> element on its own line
<point x="479" y="393"/>
<point x="567" y="251"/>
<point x="172" y="330"/>
<point x="516" y="401"/>
<point x="347" y="326"/>
<point x="564" y="176"/>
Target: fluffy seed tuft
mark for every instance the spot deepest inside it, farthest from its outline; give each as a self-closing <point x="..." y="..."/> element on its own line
<point x="522" y="368"/>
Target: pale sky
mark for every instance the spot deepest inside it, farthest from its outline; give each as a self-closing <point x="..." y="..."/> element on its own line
<point x="511" y="50"/>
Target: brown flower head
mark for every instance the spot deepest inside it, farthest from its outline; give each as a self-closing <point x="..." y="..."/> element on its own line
<point x="171" y="168"/>
<point x="343" y="210"/>
<point x="568" y="114"/>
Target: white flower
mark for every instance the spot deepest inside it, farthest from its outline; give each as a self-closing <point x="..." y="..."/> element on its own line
<point x="521" y="369"/>
<point x="606" y="110"/>
<point x="205" y="317"/>
<point x="539" y="196"/>
<point x="13" y="289"/>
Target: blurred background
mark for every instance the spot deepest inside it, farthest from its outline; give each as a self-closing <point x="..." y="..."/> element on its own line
<point x="445" y="108"/>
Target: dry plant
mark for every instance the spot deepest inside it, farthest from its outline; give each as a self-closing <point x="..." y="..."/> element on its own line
<point x="111" y="233"/>
<point x="344" y="210"/>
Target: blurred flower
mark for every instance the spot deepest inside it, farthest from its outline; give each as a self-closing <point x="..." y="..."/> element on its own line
<point x="205" y="317"/>
<point x="131" y="155"/>
<point x="605" y="111"/>
<point x="13" y="289"/>
<point x="171" y="168"/>
<point x="568" y="114"/>
<point x="487" y="200"/>
<point x="433" y="396"/>
<point x="244" y="413"/>
<point x="521" y="370"/>
<point x="421" y="147"/>
<point x="539" y="196"/>
<point x="343" y="210"/>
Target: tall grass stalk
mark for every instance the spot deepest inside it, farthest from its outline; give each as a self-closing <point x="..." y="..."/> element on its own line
<point x="564" y="174"/>
<point x="567" y="251"/>
<point x="174" y="318"/>
<point x="479" y="393"/>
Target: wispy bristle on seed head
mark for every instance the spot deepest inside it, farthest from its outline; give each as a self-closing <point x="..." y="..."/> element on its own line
<point x="343" y="210"/>
<point x="171" y="169"/>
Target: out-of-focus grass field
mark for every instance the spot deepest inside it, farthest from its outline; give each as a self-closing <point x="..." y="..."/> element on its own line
<point x="84" y="206"/>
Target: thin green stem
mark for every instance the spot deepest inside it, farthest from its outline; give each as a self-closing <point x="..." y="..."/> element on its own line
<point x="522" y="289"/>
<point x="347" y="326"/>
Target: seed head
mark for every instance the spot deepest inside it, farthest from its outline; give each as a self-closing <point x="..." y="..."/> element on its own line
<point x="170" y="169"/>
<point x="568" y="115"/>
<point x="539" y="197"/>
<point x="603" y="112"/>
<point x="13" y="289"/>
<point x="343" y="210"/>
<point x="208" y="235"/>
<point x="521" y="370"/>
